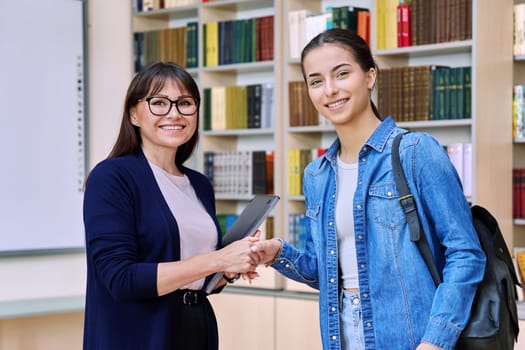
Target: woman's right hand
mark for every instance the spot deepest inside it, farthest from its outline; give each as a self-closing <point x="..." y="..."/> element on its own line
<point x="239" y="256"/>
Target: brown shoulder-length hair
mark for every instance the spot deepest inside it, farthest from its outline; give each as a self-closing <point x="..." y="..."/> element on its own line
<point x="350" y="41"/>
<point x="148" y="82"/>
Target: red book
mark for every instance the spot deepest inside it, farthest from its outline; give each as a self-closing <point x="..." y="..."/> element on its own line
<point x="404" y="25"/>
<point x="518" y="193"/>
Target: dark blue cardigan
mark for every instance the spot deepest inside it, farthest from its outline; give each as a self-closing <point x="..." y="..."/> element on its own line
<point x="129" y="230"/>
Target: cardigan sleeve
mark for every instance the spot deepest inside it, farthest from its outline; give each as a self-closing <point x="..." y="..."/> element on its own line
<point x="111" y="244"/>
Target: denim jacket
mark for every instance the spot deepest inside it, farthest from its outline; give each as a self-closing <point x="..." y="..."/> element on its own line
<point x="400" y="303"/>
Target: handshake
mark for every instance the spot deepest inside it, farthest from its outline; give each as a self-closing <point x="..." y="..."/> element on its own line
<point x="242" y="257"/>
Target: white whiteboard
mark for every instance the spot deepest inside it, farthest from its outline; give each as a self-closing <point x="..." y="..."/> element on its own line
<point x="42" y="141"/>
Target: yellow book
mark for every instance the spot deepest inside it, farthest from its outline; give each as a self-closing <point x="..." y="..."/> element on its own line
<point x="294" y="173"/>
<point x="390" y="28"/>
<point x="380" y="24"/>
<point x="520" y="259"/>
<point x="212" y="44"/>
<point x="242" y="105"/>
<point x="231" y="116"/>
<point x="218" y="108"/>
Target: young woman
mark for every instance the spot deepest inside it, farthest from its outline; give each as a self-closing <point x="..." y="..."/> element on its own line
<point x="151" y="230"/>
<point x="375" y="289"/>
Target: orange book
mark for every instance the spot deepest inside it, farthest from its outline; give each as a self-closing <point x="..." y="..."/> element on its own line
<point x="363" y="25"/>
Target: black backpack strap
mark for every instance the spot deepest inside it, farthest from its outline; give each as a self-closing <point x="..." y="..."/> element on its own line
<point x="406" y="199"/>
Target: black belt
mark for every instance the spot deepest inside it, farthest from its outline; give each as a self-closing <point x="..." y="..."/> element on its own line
<point x="189" y="297"/>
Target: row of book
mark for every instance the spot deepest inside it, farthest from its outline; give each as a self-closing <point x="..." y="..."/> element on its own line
<point x="151" y="5"/>
<point x="301" y="111"/>
<point x="460" y="155"/>
<point x="297" y="161"/>
<point x="519" y="29"/>
<point x="297" y="228"/>
<point x="305" y="24"/>
<point x="238" y="107"/>
<point x="518" y="193"/>
<point x="238" y="41"/>
<point x="422" y="22"/>
<point x="519" y="266"/>
<point x="240" y="172"/>
<point x="427" y="92"/>
<point x="518" y="111"/>
<point x="178" y="44"/>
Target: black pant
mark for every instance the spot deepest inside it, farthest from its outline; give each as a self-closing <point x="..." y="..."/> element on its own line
<point x="193" y="330"/>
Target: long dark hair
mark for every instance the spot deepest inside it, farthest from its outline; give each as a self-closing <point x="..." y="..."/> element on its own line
<point x="348" y="40"/>
<point x="149" y="81"/>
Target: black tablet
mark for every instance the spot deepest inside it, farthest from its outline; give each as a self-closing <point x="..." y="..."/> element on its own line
<point x="248" y="221"/>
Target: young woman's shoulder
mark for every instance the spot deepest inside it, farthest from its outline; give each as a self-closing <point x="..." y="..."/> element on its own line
<point x="423" y="141"/>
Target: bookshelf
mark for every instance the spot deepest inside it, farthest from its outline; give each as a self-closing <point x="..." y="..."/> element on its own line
<point x="519" y="155"/>
<point x="494" y="154"/>
<point x="518" y="143"/>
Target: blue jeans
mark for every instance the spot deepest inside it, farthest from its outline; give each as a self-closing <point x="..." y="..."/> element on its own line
<point x="352" y="336"/>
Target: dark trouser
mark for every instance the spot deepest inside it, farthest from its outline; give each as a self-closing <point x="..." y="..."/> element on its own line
<point x="193" y="329"/>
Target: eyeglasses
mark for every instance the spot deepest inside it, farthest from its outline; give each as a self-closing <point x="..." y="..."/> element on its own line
<point x="161" y="106"/>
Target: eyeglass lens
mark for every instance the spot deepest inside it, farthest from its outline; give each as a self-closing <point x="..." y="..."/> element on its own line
<point x="186" y="105"/>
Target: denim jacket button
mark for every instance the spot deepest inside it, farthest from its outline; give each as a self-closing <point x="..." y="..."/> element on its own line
<point x="332" y="252"/>
<point x="332" y="280"/>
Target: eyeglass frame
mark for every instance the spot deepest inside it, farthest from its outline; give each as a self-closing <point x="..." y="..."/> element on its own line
<point x="172" y="102"/>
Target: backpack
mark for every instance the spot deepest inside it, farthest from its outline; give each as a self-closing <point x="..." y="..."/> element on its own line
<point x="493" y="322"/>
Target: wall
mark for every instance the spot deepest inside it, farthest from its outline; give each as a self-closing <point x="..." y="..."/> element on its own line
<point x="35" y="288"/>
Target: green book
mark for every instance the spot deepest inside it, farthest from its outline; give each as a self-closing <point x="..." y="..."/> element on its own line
<point x="206" y="120"/>
<point x="467" y="88"/>
<point x="460" y="81"/>
<point x="192" y="44"/>
<point x="452" y="90"/>
<point x="440" y="93"/>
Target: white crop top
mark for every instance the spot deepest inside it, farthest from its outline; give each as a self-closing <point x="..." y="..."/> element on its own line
<point x="344" y="222"/>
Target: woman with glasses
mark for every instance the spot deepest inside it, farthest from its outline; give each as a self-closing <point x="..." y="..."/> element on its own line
<point x="151" y="230"/>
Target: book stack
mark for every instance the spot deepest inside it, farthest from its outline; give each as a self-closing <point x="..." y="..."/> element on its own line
<point x="238" y="107"/>
<point x="519" y="29"/>
<point x="297" y="230"/>
<point x="240" y="173"/>
<point x="297" y="161"/>
<point x="460" y="155"/>
<point x="238" y="41"/>
<point x="150" y="5"/>
<point x="305" y="24"/>
<point x="518" y="193"/>
<point x="301" y="110"/>
<point x="414" y="93"/>
<point x="178" y="45"/>
<point x="518" y="111"/>
<point x="422" y="22"/>
<point x="519" y="265"/>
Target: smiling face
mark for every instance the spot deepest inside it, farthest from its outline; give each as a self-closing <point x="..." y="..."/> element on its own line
<point x="162" y="135"/>
<point x="337" y="85"/>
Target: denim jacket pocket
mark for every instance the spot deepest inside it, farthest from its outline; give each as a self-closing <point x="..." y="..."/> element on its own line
<point x="384" y="205"/>
<point x="312" y="211"/>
